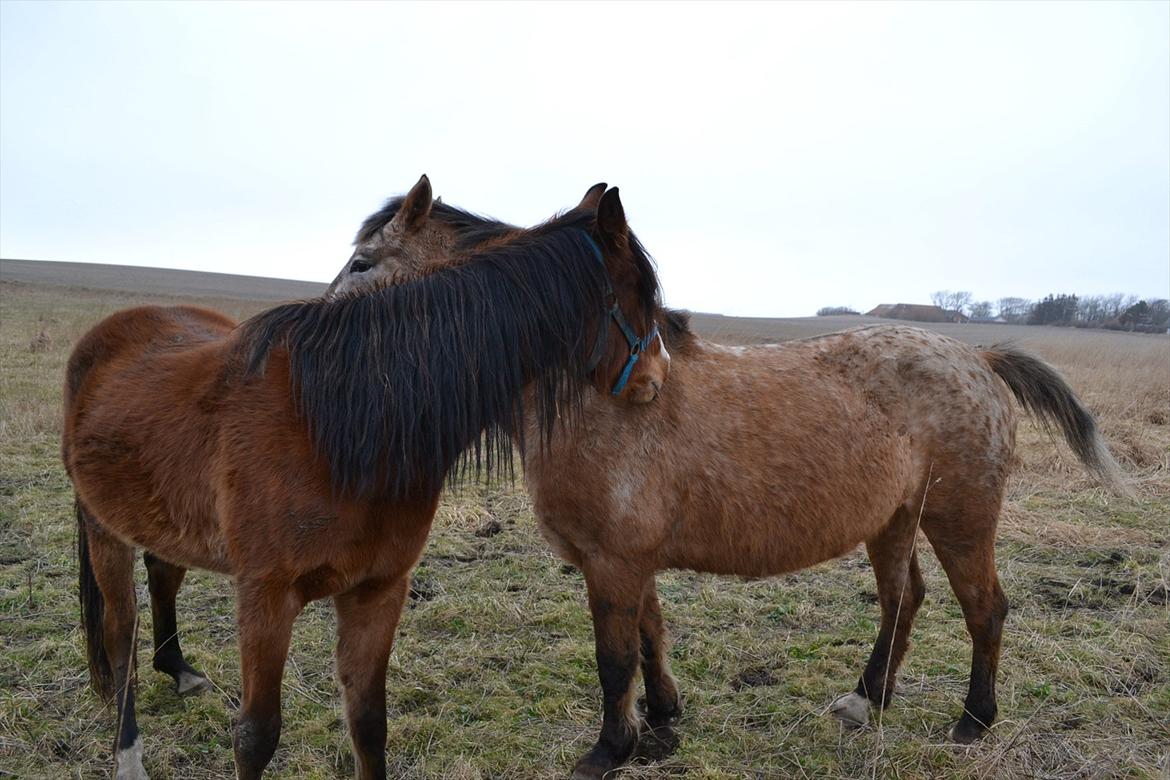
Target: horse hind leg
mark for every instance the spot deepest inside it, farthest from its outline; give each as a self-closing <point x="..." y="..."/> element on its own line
<point x="900" y="592"/>
<point x="164" y="580"/>
<point x="663" y="705"/>
<point x="966" y="549"/>
<point x="110" y="607"/>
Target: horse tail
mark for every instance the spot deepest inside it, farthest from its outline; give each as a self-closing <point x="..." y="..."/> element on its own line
<point x="93" y="608"/>
<point x="1046" y="396"/>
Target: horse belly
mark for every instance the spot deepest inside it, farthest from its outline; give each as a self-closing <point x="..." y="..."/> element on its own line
<point x="804" y="512"/>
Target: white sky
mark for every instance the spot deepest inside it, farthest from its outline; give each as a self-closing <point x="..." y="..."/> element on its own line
<point x="773" y="158"/>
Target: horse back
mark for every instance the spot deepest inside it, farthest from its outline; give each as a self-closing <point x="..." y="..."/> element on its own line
<point x="130" y="333"/>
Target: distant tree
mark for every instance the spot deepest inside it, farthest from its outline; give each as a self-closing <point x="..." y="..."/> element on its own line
<point x="1136" y="316"/>
<point x="1159" y="313"/>
<point x="1092" y="309"/>
<point x="952" y="301"/>
<point x="832" y="311"/>
<point x="1014" y="309"/>
<point x="1113" y="306"/>
<point x="1054" y="310"/>
<point x="980" y="310"/>
<point x="961" y="301"/>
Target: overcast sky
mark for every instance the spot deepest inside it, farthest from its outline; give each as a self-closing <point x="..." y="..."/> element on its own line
<point x="773" y="158"/>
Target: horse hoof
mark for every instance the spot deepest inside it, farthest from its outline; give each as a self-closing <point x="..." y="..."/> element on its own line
<point x="601" y="761"/>
<point x="190" y="684"/>
<point x="852" y="710"/>
<point x="657" y="743"/>
<point x="130" y="763"/>
<point x="588" y="772"/>
<point x="967" y="732"/>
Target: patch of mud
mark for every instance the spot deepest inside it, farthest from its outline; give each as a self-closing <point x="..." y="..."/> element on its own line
<point x="755" y="677"/>
<point x="1101" y="592"/>
<point x="422" y="589"/>
<point x="488" y="528"/>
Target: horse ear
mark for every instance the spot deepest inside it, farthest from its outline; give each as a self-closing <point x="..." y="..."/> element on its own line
<point x="611" y="219"/>
<point x="415" y="208"/>
<point x="592" y="197"/>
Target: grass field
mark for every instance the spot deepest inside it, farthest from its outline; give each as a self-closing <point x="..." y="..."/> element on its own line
<point x="493" y="673"/>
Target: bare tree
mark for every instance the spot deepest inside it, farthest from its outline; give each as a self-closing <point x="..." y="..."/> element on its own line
<point x="960" y="300"/>
<point x="981" y="310"/>
<point x="952" y="301"/>
<point x="1014" y="309"/>
<point x="1116" y="304"/>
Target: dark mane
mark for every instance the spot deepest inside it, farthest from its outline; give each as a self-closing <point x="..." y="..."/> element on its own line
<point x="397" y="384"/>
<point x="470" y="229"/>
<point x="676" y="330"/>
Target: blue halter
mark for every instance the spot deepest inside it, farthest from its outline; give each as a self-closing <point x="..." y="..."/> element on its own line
<point x="637" y="345"/>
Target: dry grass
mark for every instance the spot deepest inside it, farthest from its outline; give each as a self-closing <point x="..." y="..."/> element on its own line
<point x="493" y="672"/>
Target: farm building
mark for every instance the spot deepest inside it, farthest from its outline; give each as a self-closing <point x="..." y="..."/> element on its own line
<point x="916" y="313"/>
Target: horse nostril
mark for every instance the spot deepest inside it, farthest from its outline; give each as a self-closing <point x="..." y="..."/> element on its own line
<point x="359" y="267"/>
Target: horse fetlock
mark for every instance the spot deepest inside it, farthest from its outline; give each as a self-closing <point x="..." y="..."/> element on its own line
<point x="852" y="710"/>
<point x="130" y="763"/>
<point x="661" y="710"/>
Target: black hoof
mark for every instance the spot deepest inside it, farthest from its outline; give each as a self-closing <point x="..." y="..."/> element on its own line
<point x="656" y="744"/>
<point x="588" y="770"/>
<point x="968" y="731"/>
<point x="602" y="760"/>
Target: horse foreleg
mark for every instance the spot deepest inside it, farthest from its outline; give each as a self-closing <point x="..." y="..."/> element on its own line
<point x="112" y="563"/>
<point x="367" y="618"/>
<point x="266" y="615"/>
<point x="615" y="599"/>
<point x="164" y="580"/>
<point x="663" y="705"/>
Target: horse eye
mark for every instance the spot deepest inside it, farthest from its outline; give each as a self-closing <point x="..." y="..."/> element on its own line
<point x="359" y="267"/>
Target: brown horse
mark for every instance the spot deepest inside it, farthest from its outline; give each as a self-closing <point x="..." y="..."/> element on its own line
<point x="762" y="460"/>
<point x="302" y="453"/>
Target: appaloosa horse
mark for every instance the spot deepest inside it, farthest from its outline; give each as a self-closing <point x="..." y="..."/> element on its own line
<point x="303" y="452"/>
<point x="761" y="460"/>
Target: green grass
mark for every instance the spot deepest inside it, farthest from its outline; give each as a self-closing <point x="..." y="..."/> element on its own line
<point x="493" y="672"/>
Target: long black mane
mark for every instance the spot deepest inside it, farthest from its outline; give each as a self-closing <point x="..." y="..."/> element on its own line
<point x="398" y="384"/>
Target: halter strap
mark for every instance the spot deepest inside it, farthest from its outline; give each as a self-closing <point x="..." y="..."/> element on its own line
<point x="637" y="345"/>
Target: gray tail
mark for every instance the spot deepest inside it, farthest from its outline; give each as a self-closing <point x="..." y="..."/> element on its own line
<point x="93" y="608"/>
<point x="1046" y="396"/>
